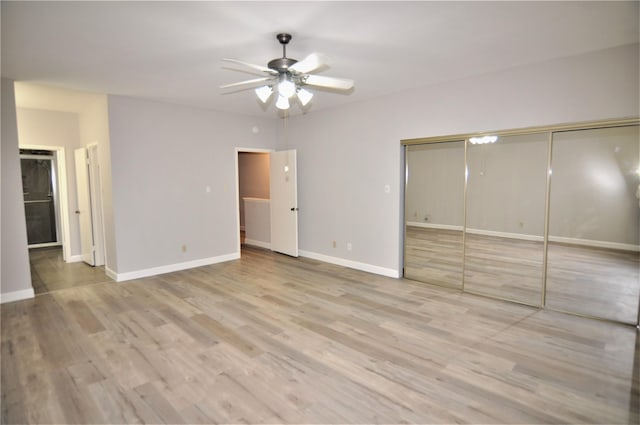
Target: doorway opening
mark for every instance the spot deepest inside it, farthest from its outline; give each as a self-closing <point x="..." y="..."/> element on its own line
<point x="254" y="198"/>
<point x="41" y="197"/>
<point x="54" y="261"/>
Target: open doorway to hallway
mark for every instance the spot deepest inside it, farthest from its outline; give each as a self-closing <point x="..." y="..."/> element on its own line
<point x="254" y="197"/>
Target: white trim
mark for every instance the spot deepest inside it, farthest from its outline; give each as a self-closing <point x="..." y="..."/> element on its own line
<point x="520" y="236"/>
<point x="110" y="273"/>
<point x="44" y="245"/>
<point x="434" y="226"/>
<point x="351" y="264"/>
<point x="261" y="244"/>
<point x="138" y="274"/>
<point x="74" y="258"/>
<point x="596" y="244"/>
<point x="17" y="296"/>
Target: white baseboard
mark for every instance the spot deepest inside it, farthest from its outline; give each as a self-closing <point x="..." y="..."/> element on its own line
<point x="74" y="259"/>
<point x="520" y="236"/>
<point x="260" y="244"/>
<point x="351" y="264"/>
<point x="17" y="296"/>
<point x="138" y="274"/>
<point x="595" y="244"/>
<point x="110" y="273"/>
<point x="434" y="226"/>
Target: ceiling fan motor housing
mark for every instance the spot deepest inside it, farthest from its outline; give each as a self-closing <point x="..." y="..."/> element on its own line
<point x="281" y="64"/>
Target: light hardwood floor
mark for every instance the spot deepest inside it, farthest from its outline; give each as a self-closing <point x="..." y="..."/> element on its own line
<point x="50" y="273"/>
<point x="272" y="339"/>
<point x="598" y="282"/>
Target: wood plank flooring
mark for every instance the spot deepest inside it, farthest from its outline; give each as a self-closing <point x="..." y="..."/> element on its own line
<point x="272" y="339"/>
<point x="50" y="273"/>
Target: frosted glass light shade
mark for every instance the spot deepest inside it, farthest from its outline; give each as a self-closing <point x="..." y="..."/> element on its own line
<point x="304" y="96"/>
<point x="283" y="102"/>
<point x="286" y="88"/>
<point x="264" y="93"/>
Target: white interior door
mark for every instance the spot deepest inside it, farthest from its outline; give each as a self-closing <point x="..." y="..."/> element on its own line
<point x="283" y="185"/>
<point x="84" y="206"/>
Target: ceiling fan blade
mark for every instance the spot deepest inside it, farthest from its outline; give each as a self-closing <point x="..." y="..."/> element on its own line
<point x="309" y="64"/>
<point x="252" y="66"/>
<point x="328" y="82"/>
<point x="248" y="83"/>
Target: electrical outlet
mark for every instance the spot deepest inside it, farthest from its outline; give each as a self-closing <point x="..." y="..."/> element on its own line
<point x="333" y="244"/>
<point x="349" y="246"/>
<point x="183" y="248"/>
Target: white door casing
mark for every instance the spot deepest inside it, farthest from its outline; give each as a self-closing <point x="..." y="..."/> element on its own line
<point x="283" y="187"/>
<point x="95" y="193"/>
<point x="84" y="206"/>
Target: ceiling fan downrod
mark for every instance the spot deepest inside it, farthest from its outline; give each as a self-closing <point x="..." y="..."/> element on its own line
<point x="282" y="64"/>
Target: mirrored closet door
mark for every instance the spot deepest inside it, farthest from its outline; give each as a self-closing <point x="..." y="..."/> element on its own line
<point x="547" y="217"/>
<point x="506" y="195"/>
<point x="593" y="263"/>
<point x="434" y="213"/>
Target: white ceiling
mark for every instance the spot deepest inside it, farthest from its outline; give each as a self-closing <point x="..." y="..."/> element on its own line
<point x="171" y="51"/>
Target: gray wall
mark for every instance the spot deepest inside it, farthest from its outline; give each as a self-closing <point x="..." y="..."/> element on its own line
<point x="346" y="155"/>
<point x="163" y="158"/>
<point x="15" y="272"/>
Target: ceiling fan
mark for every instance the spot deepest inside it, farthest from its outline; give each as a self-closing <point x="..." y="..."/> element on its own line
<point x="288" y="77"/>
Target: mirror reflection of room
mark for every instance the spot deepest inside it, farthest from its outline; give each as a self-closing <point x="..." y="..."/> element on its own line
<point x="434" y="213"/>
<point x="506" y="193"/>
<point x="549" y="219"/>
<point x="593" y="263"/>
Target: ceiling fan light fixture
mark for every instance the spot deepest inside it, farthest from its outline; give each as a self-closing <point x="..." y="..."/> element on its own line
<point x="282" y="102"/>
<point x="304" y="96"/>
<point x="264" y="93"/>
<point x="286" y="77"/>
<point x="286" y="87"/>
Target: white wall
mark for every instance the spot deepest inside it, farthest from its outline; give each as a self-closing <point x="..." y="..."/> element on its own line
<point x="347" y="155"/>
<point x="253" y="177"/>
<point x="163" y="158"/>
<point x="15" y="274"/>
<point x="61" y="129"/>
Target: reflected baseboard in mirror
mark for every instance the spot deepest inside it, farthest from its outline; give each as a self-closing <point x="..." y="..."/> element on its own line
<point x="433" y="256"/>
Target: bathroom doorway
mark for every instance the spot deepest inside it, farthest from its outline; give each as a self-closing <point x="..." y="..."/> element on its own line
<point x="41" y="197"/>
